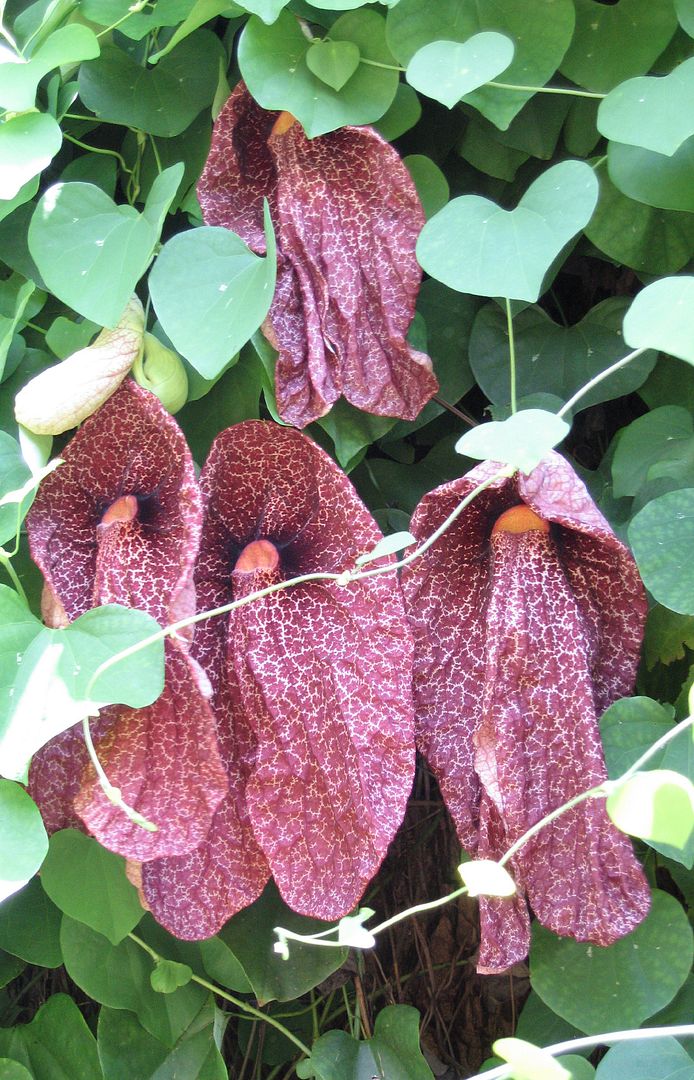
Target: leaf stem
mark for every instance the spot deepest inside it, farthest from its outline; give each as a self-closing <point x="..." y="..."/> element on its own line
<point x="13" y="575"/>
<point x="511" y="356"/>
<point x="239" y="1003"/>
<point x="547" y="90"/>
<point x="598" y="379"/>
<point x="97" y="150"/>
<point x="113" y="794"/>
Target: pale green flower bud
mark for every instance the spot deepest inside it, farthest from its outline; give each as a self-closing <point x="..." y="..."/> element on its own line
<point x="64" y="395"/>
<point x="161" y="370"/>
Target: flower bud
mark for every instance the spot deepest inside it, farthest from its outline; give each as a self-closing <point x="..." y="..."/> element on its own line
<point x="64" y="395"/>
<point x="161" y="370"/>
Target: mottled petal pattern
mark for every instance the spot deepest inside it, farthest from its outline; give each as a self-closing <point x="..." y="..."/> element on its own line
<point x="347" y="217"/>
<point x="120" y="522"/>
<point x="520" y="643"/>
<point x="312" y="683"/>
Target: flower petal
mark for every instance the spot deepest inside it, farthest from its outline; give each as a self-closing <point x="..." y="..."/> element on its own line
<point x="347" y="217"/>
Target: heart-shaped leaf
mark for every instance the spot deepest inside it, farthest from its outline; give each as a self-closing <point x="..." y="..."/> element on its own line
<point x="448" y="70"/>
<point x="660" y="180"/>
<point x="163" y="100"/>
<point x="211" y="293"/>
<point x="656" y="805"/>
<point x="168" y="975"/>
<point x="474" y="246"/>
<point x="91" y="253"/>
<point x="648" y="111"/>
<point x="541" y="33"/>
<point x="20" y="78"/>
<point x="662" y="317"/>
<point x="555" y="359"/>
<point x="521" y="441"/>
<point x="334" y="62"/>
<point x="615" y="42"/>
<point x="28" y="143"/>
<point x="274" y="66"/>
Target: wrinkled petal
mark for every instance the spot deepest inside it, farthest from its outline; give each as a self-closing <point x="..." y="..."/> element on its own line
<point x="63" y="396"/>
<point x="347" y="217"/>
<point x="520" y="640"/>
<point x="313" y="684"/>
<point x="120" y="522"/>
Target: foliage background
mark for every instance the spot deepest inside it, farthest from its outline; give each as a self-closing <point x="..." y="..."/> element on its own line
<point x="116" y="103"/>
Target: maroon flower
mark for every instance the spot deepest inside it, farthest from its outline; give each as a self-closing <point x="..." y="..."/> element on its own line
<point x="312" y="690"/>
<point x="528" y="621"/>
<point x="347" y="217"/>
<point x="120" y="522"/>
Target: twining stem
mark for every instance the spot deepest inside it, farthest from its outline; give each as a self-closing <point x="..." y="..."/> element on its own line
<point x="239" y="1003"/>
<point x="14" y="576"/>
<point x="511" y="356"/>
<point x="598" y="379"/>
<point x="112" y="793"/>
<point x="97" y="150"/>
<point x="585" y="1042"/>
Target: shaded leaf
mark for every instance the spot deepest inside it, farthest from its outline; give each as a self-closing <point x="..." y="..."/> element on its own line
<point x="56" y="1045"/>
<point x="661" y="536"/>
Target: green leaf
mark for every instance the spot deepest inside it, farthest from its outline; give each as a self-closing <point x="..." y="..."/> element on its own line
<point x="529" y="1062"/>
<point x="10" y="967"/>
<point x="12" y="1070"/>
<point x="52" y="690"/>
<point x="642" y="237"/>
<point x="127" y="1051"/>
<point x="88" y="883"/>
<point x="56" y="1044"/>
<point x="521" y="441"/>
<point x="168" y="975"/>
<point x="118" y="976"/>
<point x="667" y="634"/>
<point x="648" y="111"/>
<point x="202" y="11"/>
<point x="662" y="317"/>
<point x="432" y="186"/>
<point x="614" y="43"/>
<point x="627" y="981"/>
<point x="484" y="877"/>
<point x="222" y="966"/>
<point x="250" y="936"/>
<point x="351" y="430"/>
<point x="476" y="247"/>
<point x="483" y="148"/>
<point x="540" y="32"/>
<point x="163" y="100"/>
<point x="273" y="64"/>
<point x="211" y="293"/>
<point x="685" y="14"/>
<point x="19" y="79"/>
<point x="23" y="839"/>
<point x="538" y="1024"/>
<point x="30" y="926"/>
<point x="333" y="62"/>
<point x="393" y="1052"/>
<point x="651" y="178"/>
<point x="646" y="1059"/>
<point x="448" y="70"/>
<point x="267" y="10"/>
<point x="91" y="253"/>
<point x="661" y="443"/>
<point x="655" y="805"/>
<point x="629" y="727"/>
<point x="13" y="474"/>
<point x="402" y="115"/>
<point x="661" y="536"/>
<point x="28" y="143"/>
<point x="555" y="359"/>
<point x="65" y="336"/>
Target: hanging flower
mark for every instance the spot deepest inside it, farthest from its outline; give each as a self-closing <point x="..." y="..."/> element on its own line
<point x="119" y="522"/>
<point x="347" y="217"/>
<point x="528" y="616"/>
<point x="312" y="690"/>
